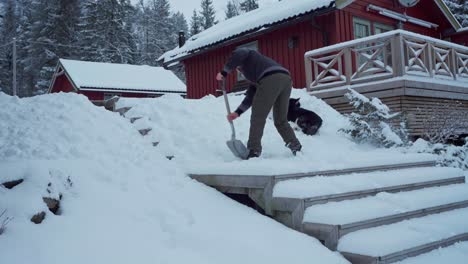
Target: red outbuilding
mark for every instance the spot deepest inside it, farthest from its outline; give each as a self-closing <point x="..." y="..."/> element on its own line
<point x="101" y="81"/>
<point x="286" y="30"/>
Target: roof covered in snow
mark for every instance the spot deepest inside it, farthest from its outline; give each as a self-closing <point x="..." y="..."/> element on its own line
<point x="112" y="76"/>
<point x="264" y="18"/>
<point x="255" y="20"/>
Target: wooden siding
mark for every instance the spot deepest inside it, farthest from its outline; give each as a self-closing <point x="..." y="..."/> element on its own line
<point x="99" y="96"/>
<point x="418" y="100"/>
<point x="315" y="33"/>
<point x="201" y="70"/>
<point x="62" y="84"/>
<point x="430" y="13"/>
<point x="460" y="38"/>
<point x="419" y="111"/>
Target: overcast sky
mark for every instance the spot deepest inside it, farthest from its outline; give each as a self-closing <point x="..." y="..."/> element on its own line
<point x="187" y="7"/>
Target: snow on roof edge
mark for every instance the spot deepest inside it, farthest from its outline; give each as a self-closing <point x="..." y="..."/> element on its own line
<point x="121" y="76"/>
<point x="253" y="21"/>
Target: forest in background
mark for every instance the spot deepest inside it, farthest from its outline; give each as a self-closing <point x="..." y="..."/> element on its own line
<point x="114" y="31"/>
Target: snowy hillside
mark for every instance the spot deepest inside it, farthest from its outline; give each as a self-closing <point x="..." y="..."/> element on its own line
<point x="122" y="201"/>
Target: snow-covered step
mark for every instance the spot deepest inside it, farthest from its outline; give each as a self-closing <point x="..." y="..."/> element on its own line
<point x="398" y="166"/>
<point x="454" y="254"/>
<point x="331" y="221"/>
<point x="326" y="188"/>
<point x="394" y="242"/>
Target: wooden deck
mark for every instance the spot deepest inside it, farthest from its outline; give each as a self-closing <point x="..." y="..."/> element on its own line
<point x="417" y="75"/>
<point x="422" y="101"/>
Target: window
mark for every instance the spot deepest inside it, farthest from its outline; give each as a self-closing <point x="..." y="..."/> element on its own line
<point x="381" y="28"/>
<point x="361" y="28"/>
<point x="251" y="45"/>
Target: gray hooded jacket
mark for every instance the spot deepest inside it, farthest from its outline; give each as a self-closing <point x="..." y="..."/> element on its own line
<point x="254" y="66"/>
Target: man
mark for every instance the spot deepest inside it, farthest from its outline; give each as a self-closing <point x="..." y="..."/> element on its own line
<point x="270" y="88"/>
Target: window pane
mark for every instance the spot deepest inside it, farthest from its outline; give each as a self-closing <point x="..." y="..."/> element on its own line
<point x="361" y="28"/>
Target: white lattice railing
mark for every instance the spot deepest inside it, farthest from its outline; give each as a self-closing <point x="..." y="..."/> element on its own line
<point x="384" y="56"/>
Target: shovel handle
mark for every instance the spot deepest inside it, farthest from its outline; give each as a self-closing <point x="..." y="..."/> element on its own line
<point x="228" y="109"/>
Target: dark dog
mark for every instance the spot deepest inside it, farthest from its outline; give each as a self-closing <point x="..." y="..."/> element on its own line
<point x="308" y="121"/>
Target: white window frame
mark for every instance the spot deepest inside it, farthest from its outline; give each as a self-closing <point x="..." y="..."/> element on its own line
<point x="385" y="27"/>
<point x="357" y="20"/>
<point x="251" y="45"/>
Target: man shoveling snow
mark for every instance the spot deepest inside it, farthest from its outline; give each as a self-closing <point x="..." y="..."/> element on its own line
<point x="270" y="88"/>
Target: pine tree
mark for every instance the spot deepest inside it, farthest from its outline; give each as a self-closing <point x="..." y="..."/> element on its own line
<point x="106" y="31"/>
<point x="142" y="26"/>
<point x="8" y="22"/>
<point x="207" y="14"/>
<point x="195" y="24"/>
<point x="232" y="9"/>
<point x="249" y="5"/>
<point x="179" y="22"/>
<point x="52" y="30"/>
<point x="460" y="9"/>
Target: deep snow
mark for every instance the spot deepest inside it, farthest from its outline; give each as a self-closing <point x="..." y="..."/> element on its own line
<point x="196" y="131"/>
<point x="124" y="202"/>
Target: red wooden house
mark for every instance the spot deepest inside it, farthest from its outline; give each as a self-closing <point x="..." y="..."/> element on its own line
<point x="461" y="36"/>
<point x="101" y="81"/>
<point x="286" y="30"/>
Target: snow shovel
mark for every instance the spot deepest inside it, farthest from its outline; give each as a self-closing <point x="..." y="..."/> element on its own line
<point x="236" y="146"/>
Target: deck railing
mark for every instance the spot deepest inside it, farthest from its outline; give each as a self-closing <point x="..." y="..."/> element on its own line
<point x="391" y="54"/>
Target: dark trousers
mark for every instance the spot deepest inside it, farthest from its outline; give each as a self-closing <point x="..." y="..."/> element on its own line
<point x="273" y="91"/>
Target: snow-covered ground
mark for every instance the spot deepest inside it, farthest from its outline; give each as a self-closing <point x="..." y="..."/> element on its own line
<point x="196" y="131"/>
<point x="123" y="201"/>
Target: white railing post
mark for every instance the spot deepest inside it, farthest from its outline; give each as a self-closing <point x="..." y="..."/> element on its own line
<point x="308" y="72"/>
<point x="454" y="64"/>
<point x="348" y="60"/>
<point x="431" y="57"/>
<point x="398" y="54"/>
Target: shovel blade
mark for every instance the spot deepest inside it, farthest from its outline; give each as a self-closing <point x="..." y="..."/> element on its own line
<point x="237" y="148"/>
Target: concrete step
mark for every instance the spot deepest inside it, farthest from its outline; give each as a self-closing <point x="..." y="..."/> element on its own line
<point x="394" y="242"/>
<point x="412" y="254"/>
<point x="289" y="204"/>
<point x="364" y="184"/>
<point x="398" y="166"/>
<point x="452" y="254"/>
<point x="122" y="110"/>
<point x="329" y="222"/>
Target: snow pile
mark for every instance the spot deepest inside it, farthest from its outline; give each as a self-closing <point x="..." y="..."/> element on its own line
<point x="196" y="131"/>
<point x="121" y="200"/>
<point x="448" y="155"/>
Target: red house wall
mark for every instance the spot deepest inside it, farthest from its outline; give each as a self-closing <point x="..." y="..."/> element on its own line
<point x="98" y="95"/>
<point x="201" y="70"/>
<point x="326" y="30"/>
<point x="460" y="38"/>
<point x="426" y="10"/>
<point x="63" y="84"/>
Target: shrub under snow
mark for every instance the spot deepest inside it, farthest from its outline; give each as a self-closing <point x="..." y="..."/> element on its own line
<point x="372" y="122"/>
<point x="450" y="155"/>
